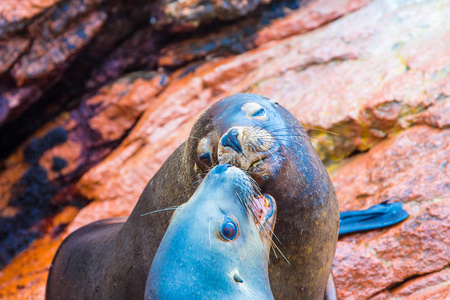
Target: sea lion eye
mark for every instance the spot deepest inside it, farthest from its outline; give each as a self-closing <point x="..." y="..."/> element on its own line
<point x="205" y="158"/>
<point x="254" y="110"/>
<point x="229" y="230"/>
<point x="260" y="113"/>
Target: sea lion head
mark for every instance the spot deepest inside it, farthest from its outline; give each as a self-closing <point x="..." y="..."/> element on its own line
<point x="217" y="244"/>
<point x="259" y="136"/>
<point x="255" y="134"/>
<point x="244" y="130"/>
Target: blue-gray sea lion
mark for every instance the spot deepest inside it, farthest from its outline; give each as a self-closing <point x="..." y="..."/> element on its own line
<point x="214" y="247"/>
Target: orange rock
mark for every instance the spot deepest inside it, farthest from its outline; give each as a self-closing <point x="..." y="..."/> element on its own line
<point x="38" y="177"/>
<point x="50" y="56"/>
<point x="25" y="277"/>
<point x="16" y="14"/>
<point x="366" y="264"/>
<point x="251" y="32"/>
<point x="58" y="18"/>
<point x="430" y="286"/>
<point x="437" y="116"/>
<point x="17" y="100"/>
<point x="368" y="76"/>
<point x="410" y="166"/>
<point x="10" y="51"/>
<point x="309" y="17"/>
<point x="181" y="16"/>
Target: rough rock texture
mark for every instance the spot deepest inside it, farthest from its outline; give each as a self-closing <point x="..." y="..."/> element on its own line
<point x="369" y="79"/>
<point x="187" y="15"/>
<point x="29" y="270"/>
<point x="17" y="14"/>
<point x="47" y="56"/>
<point x="44" y="168"/>
<point x="45" y="64"/>
<point x="233" y="39"/>
<point x="431" y="286"/>
<point x="293" y="71"/>
<point x="412" y="168"/>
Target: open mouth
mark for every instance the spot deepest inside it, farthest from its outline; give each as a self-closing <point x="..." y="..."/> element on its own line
<point x="264" y="212"/>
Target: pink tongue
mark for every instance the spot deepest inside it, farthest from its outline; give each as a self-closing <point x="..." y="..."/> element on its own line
<point x="262" y="209"/>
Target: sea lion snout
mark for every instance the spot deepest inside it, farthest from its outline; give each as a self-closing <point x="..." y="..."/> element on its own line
<point x="246" y="146"/>
<point x="221" y="169"/>
<point x="229" y="139"/>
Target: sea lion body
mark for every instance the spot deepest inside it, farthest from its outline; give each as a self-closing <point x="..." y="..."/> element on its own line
<point x="257" y="135"/>
<point x="112" y="261"/>
<point x="260" y="136"/>
<point x="213" y="249"/>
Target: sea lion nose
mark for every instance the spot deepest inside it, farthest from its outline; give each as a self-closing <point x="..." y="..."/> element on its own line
<point x="230" y="140"/>
<point x="221" y="168"/>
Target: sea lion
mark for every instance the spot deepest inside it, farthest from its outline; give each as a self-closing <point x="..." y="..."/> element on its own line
<point x="253" y="133"/>
<point x="214" y="247"/>
<point x="258" y="135"/>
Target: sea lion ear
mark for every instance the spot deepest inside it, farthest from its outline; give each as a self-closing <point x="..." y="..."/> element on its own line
<point x="274" y="102"/>
<point x="254" y="110"/>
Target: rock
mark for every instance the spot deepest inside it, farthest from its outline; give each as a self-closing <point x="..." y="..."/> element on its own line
<point x="251" y="32"/>
<point x="58" y="18"/>
<point x="374" y="72"/>
<point x="187" y="15"/>
<point x="397" y="169"/>
<point x="411" y="167"/>
<point x="18" y="14"/>
<point x="437" y="116"/>
<point x="367" y="264"/>
<point x="137" y="52"/>
<point x="10" y="51"/>
<point x="430" y="286"/>
<point x="37" y="179"/>
<point x="14" y="101"/>
<point x="307" y="18"/>
<point x="52" y="56"/>
<point x="25" y="277"/>
<point x="67" y="40"/>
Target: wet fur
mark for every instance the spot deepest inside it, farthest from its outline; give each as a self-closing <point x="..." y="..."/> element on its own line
<point x="116" y="258"/>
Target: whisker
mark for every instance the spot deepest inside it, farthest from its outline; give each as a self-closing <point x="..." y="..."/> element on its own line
<point x="159" y="210"/>
<point x="274" y="252"/>
<point x="322" y="130"/>
<point x="209" y="232"/>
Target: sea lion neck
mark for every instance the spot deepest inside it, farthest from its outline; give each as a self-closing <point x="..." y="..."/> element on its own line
<point x="142" y="232"/>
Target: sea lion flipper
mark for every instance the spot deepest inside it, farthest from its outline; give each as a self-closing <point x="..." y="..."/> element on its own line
<point x="378" y="216"/>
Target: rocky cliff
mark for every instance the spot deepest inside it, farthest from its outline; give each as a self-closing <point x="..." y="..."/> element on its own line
<point x="96" y="94"/>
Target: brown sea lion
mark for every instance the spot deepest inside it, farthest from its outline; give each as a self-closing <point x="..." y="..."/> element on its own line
<point x="214" y="247"/>
<point x="111" y="261"/>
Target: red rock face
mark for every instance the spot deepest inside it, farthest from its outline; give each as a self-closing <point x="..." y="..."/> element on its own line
<point x="47" y="56"/>
<point x="368" y="79"/>
<point x="396" y="169"/>
<point x="39" y="176"/>
<point x="181" y="16"/>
